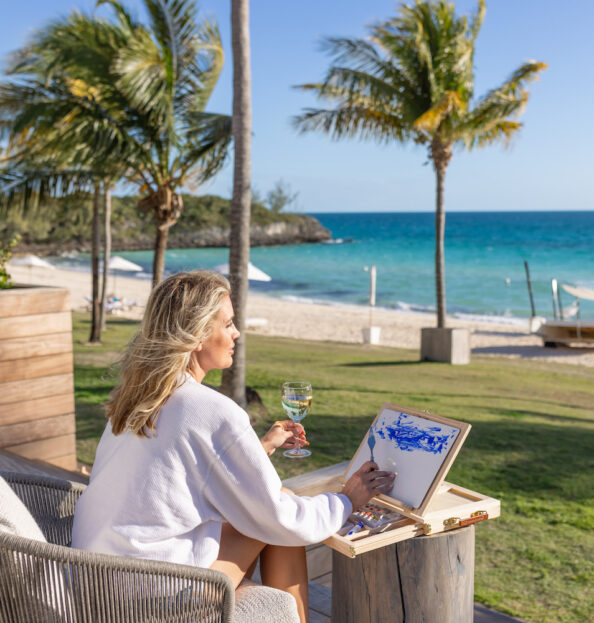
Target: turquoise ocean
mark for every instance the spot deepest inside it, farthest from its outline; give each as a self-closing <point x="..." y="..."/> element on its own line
<point x="484" y="254"/>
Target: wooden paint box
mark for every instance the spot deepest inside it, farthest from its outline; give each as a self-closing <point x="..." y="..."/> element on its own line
<point x="443" y="506"/>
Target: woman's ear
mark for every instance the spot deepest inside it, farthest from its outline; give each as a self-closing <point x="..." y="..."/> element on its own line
<point x="199" y="347"/>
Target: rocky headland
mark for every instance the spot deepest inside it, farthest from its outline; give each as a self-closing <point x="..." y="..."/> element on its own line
<point x="203" y="223"/>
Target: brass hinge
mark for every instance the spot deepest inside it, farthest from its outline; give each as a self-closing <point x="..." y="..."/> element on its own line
<point x="452" y="521"/>
<point x="426" y="528"/>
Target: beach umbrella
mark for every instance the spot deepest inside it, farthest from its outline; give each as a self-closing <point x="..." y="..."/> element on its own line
<point x="254" y="273"/>
<point x="119" y="263"/>
<point x="31" y="262"/>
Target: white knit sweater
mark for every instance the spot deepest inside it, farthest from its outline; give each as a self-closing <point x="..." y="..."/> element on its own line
<point x="166" y="497"/>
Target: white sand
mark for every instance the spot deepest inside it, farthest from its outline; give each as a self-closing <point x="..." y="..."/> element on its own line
<point x="328" y="322"/>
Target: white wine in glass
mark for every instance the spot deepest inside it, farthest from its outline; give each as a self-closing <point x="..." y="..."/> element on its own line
<point x="296" y="399"/>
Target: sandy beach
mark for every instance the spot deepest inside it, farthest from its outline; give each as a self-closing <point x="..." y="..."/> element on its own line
<point x="278" y="317"/>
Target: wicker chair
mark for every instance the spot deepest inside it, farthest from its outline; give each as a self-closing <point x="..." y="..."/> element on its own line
<point x="44" y="582"/>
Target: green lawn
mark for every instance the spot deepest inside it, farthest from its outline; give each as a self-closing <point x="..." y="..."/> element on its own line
<point x="531" y="446"/>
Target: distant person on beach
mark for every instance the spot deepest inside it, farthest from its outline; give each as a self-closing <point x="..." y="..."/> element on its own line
<point x="180" y="475"/>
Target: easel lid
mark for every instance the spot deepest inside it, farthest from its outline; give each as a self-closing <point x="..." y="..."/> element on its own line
<point x="417" y="512"/>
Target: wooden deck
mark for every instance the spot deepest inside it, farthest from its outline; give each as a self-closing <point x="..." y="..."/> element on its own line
<point x="319" y="557"/>
<point x="567" y="332"/>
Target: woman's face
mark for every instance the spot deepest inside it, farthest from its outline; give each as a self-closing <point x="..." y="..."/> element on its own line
<point x="216" y="353"/>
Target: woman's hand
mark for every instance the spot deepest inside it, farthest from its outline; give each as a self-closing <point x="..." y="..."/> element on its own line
<point x="284" y="434"/>
<point x="366" y="482"/>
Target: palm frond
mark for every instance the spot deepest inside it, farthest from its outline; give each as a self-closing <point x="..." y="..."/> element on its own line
<point x="24" y="188"/>
<point x="351" y="122"/>
<point x="429" y="121"/>
<point x="499" y="107"/>
<point x="124" y="16"/>
<point x="207" y="140"/>
<point x="477" y="19"/>
<point x="202" y="69"/>
<point x="143" y="76"/>
<point x="501" y="131"/>
<point x="172" y="25"/>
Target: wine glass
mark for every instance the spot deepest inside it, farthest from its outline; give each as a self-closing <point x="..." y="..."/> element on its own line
<point x="296" y="399"/>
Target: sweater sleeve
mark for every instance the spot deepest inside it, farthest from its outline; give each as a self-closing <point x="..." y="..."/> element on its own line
<point x="244" y="487"/>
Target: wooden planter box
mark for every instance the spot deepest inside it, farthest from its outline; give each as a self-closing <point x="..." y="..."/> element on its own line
<point x="36" y="375"/>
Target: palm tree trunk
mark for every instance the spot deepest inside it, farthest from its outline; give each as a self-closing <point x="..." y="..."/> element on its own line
<point x="159" y="254"/>
<point x="106" y="252"/>
<point x="95" y="336"/>
<point x="440" y="295"/>
<point x="441" y="155"/>
<point x="233" y="384"/>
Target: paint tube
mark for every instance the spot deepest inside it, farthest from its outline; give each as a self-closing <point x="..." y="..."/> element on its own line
<point x="356" y="528"/>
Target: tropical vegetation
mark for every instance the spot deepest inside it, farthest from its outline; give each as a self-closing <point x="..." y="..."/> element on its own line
<point x="280" y="197"/>
<point x="94" y="94"/>
<point x="7" y="243"/>
<point x="412" y="79"/>
<point x="67" y="221"/>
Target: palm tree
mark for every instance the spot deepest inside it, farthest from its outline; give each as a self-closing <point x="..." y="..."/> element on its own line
<point x="130" y="93"/>
<point x="233" y="383"/>
<point x="414" y="80"/>
<point x="26" y="186"/>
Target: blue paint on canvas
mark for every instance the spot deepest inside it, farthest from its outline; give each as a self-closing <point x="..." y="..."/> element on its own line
<point x="407" y="435"/>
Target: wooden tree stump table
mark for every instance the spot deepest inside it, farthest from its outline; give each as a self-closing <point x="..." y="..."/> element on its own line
<point x="426" y="579"/>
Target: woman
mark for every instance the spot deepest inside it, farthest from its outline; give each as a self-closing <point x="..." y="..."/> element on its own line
<point x="180" y="474"/>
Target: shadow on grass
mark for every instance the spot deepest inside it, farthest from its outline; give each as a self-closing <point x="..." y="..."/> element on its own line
<point x="532" y="352"/>
<point x="531" y="458"/>
<point x="518" y="414"/>
<point x="375" y="364"/>
<point x="111" y="321"/>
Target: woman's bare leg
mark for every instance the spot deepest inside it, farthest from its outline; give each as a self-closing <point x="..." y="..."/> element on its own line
<point x="237" y="554"/>
<point x="285" y="568"/>
<point x="281" y="567"/>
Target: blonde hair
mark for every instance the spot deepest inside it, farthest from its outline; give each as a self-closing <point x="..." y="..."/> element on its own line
<point x="178" y="316"/>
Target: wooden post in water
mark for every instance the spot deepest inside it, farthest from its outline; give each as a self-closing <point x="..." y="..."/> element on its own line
<point x="530" y="294"/>
<point x="427" y="579"/>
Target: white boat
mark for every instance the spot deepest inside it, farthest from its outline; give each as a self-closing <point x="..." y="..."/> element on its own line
<point x="560" y="331"/>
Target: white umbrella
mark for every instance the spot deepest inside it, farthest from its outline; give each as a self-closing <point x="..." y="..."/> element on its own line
<point x="254" y="273"/>
<point x="31" y="261"/>
<point x="119" y="263"/>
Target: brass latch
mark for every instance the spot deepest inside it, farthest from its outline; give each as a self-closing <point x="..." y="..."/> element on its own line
<point x="475" y="518"/>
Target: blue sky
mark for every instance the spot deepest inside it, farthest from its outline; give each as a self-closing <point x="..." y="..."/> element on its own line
<point x="548" y="167"/>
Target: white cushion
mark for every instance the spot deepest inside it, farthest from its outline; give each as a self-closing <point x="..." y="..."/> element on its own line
<point x="262" y="604"/>
<point x="15" y="518"/>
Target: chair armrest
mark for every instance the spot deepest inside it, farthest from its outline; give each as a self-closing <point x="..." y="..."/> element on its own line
<point x="81" y="586"/>
<point x="50" y="501"/>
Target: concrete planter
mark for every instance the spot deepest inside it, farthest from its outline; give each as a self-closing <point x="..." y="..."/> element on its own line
<point x="371" y="335"/>
<point x="445" y="345"/>
<point x="36" y="379"/>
